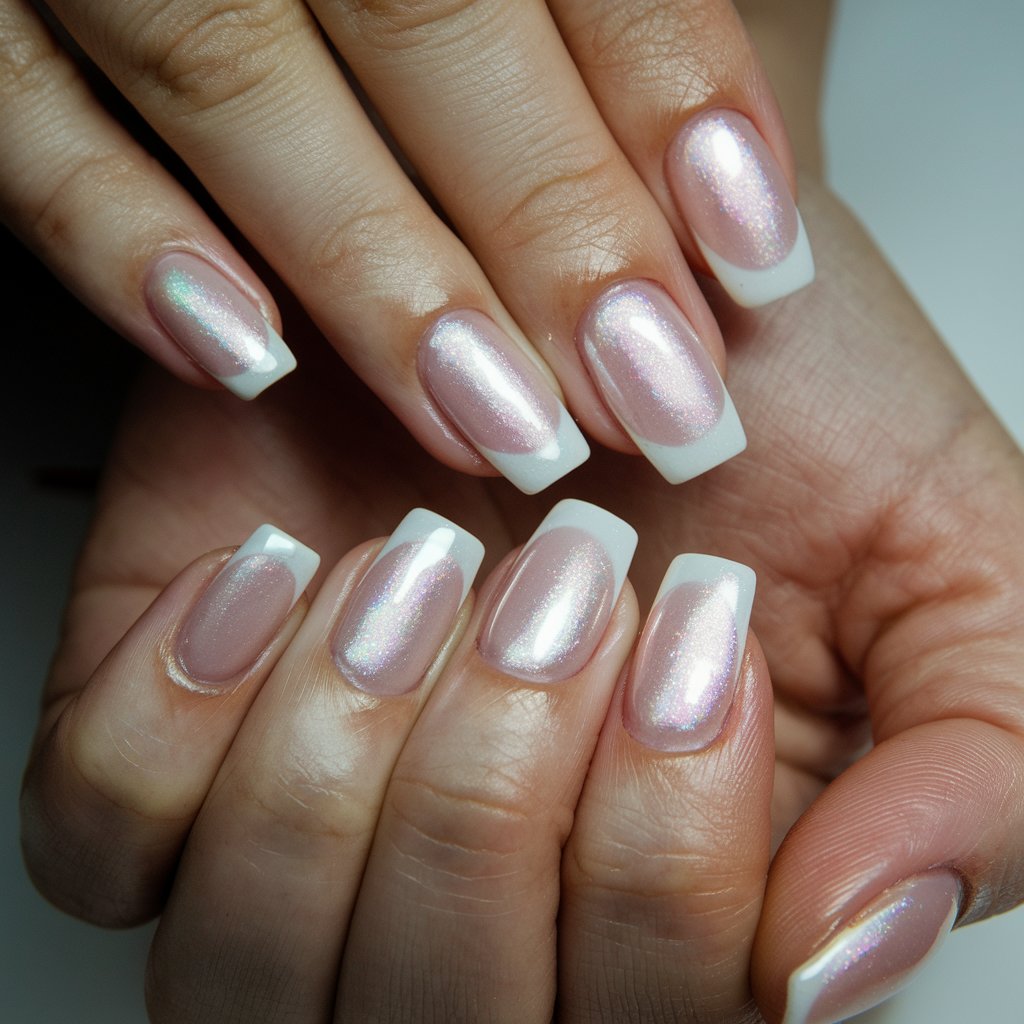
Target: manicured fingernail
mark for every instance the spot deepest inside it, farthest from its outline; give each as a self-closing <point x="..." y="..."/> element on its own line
<point x="877" y="953"/>
<point x="552" y="610"/>
<point x="731" y="192"/>
<point x="658" y="380"/>
<point x="499" y="400"/>
<point x="404" y="608"/>
<point x="244" y="606"/>
<point x="216" y="324"/>
<point x="684" y="674"/>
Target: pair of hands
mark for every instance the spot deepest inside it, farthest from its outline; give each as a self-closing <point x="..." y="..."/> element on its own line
<point x="882" y="536"/>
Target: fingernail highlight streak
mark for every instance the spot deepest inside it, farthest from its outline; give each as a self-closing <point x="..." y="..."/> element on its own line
<point x="658" y="380"/>
<point x="244" y="605"/>
<point x="216" y="324"/>
<point x="683" y="678"/>
<point x="499" y="400"/>
<point x="731" y="192"/>
<point x="403" y="609"/>
<point x="549" y="617"/>
<point x="877" y="953"/>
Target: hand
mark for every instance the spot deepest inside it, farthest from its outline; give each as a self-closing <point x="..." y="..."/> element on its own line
<point x="878" y="505"/>
<point x="573" y="149"/>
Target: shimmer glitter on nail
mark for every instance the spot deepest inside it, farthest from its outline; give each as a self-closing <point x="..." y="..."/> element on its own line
<point x="552" y="611"/>
<point x="736" y="201"/>
<point x="499" y="400"/>
<point x="877" y="952"/>
<point x="658" y="380"/>
<point x="684" y="674"/>
<point x="238" y="614"/>
<point x="215" y="324"/>
<point x="403" y="609"/>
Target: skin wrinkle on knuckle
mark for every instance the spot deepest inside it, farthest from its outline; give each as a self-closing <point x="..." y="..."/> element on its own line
<point x="210" y="56"/>
<point x="405" y="22"/>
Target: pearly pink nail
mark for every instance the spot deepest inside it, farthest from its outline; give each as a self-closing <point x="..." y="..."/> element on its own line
<point x="552" y="611"/>
<point x="244" y="606"/>
<point x="499" y="400"/>
<point x="658" y="380"/>
<point x="877" y="952"/>
<point x="684" y="673"/>
<point x="216" y="324"/>
<point x="404" y="608"/>
<point x="731" y="192"/>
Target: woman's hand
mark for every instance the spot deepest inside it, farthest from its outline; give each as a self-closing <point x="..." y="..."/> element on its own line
<point x="576" y="155"/>
<point x="879" y="504"/>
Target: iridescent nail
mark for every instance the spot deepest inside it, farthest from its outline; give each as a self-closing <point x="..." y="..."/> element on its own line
<point x="499" y="400"/>
<point x="216" y="324"/>
<point x="684" y="673"/>
<point x="403" y="609"/>
<point x="244" y="606"/>
<point x="731" y="192"/>
<point x="552" y="610"/>
<point x="658" y="380"/>
<point x="877" y="952"/>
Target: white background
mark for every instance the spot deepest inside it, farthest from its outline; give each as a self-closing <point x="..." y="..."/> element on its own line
<point x="925" y="137"/>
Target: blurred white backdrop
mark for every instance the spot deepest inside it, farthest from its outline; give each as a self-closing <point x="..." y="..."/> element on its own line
<point x="925" y="141"/>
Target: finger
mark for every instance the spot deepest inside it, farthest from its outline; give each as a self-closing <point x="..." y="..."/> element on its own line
<point x="686" y="96"/>
<point x="521" y="160"/>
<point x="926" y="830"/>
<point x="122" y="767"/>
<point x="254" y="927"/>
<point x="663" y="875"/>
<point x="118" y="230"/>
<point x="254" y="102"/>
<point x="456" y="913"/>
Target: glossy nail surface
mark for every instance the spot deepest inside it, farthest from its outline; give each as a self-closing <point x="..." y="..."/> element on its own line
<point x="683" y="677"/>
<point x="499" y="400"/>
<point x="403" y="609"/>
<point x="877" y="952"/>
<point x="552" y="610"/>
<point x="658" y="380"/>
<point x="731" y="192"/>
<point x="245" y="604"/>
<point x="216" y="324"/>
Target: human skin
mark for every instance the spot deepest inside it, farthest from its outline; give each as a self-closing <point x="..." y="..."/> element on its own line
<point x="870" y="542"/>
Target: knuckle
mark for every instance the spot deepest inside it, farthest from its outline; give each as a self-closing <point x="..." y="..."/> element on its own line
<point x="391" y="20"/>
<point x="27" y="59"/>
<point x="572" y="210"/>
<point x="201" y="55"/>
<point x="467" y="838"/>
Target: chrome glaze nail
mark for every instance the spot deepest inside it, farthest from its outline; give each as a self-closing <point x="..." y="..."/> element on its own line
<point x="403" y="609"/>
<point x="553" y="608"/>
<point x="877" y="952"/>
<point x="245" y="604"/>
<point x="216" y="324"/>
<point x="499" y="400"/>
<point x="658" y="380"/>
<point x="731" y="192"/>
<point x="683" y="677"/>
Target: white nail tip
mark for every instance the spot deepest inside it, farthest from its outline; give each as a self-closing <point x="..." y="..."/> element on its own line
<point x="750" y="288"/>
<point x="533" y="471"/>
<point x="302" y="561"/>
<point x="441" y="538"/>
<point x="677" y="464"/>
<point x="276" y="362"/>
<point x="735" y="584"/>
<point x="615" y="535"/>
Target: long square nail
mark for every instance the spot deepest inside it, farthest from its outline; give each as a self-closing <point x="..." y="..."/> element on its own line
<point x="731" y="192"/>
<point x="658" y="379"/>
<point x="403" y="609"/>
<point x="684" y="673"/>
<point x="244" y="605"/>
<point x="552" y="610"/>
<point x="499" y="400"/>
<point x="216" y="324"/>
